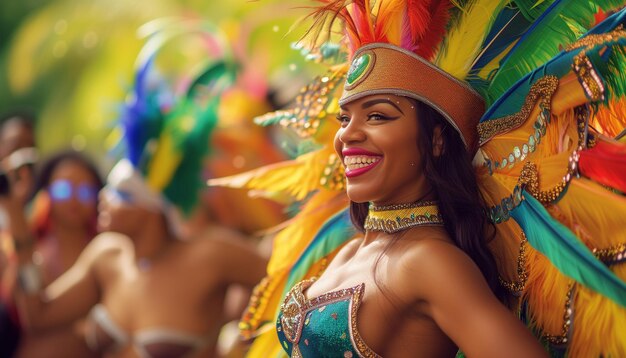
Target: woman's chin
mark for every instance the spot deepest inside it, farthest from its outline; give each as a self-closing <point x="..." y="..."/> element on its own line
<point x="358" y="196"/>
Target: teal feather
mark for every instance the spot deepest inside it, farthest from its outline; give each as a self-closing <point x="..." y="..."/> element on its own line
<point x="335" y="232"/>
<point x="565" y="251"/>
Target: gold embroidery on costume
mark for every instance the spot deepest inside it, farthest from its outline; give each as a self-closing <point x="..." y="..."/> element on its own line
<point x="564" y="337"/>
<point x="598" y="39"/>
<point x="588" y="77"/>
<point x="542" y="90"/>
<point x="312" y="105"/>
<point x="516" y="287"/>
<point x="296" y="309"/>
<point x="612" y="255"/>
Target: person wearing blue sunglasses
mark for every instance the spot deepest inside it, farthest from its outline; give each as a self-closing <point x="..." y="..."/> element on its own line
<point x="64" y="218"/>
<point x="63" y="190"/>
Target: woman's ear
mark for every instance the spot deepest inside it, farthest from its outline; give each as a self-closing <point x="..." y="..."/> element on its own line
<point x="438" y="148"/>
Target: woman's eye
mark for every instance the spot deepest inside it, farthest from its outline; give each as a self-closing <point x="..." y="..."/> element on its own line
<point x="377" y="117"/>
<point x="343" y="119"/>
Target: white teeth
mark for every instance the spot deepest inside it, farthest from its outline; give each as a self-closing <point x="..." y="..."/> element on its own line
<point x="359" y="161"/>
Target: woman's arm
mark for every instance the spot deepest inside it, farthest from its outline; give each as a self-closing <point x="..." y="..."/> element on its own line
<point x="238" y="261"/>
<point x="67" y="298"/>
<point x="463" y="306"/>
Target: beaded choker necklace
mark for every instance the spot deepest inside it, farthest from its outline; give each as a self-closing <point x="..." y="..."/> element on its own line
<point x="394" y="218"/>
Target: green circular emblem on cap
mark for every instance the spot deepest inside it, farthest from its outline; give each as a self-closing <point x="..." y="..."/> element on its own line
<point x="359" y="69"/>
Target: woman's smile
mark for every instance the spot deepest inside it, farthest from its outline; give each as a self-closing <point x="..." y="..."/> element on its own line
<point x="358" y="161"/>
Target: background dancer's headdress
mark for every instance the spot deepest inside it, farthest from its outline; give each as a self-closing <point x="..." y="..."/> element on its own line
<point x="166" y="124"/>
<point x="547" y="159"/>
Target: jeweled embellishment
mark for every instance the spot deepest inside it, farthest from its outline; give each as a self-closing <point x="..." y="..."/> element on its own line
<point x="394" y="218"/>
<point x="359" y="69"/>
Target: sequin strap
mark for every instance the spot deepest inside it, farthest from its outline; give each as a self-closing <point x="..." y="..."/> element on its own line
<point x="296" y="306"/>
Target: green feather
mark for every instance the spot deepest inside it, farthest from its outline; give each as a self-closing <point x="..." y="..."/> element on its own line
<point x="561" y="24"/>
<point x="532" y="9"/>
<point x="190" y="126"/>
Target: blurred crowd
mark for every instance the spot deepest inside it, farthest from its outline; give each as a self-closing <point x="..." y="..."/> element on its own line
<point x="94" y="244"/>
<point x="103" y="253"/>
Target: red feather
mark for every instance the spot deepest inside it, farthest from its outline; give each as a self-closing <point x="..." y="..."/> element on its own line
<point x="419" y="19"/>
<point x="605" y="163"/>
<point x="440" y="15"/>
<point x="420" y="24"/>
<point x="362" y="17"/>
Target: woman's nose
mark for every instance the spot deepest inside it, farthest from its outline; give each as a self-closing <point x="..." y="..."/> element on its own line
<point x="353" y="132"/>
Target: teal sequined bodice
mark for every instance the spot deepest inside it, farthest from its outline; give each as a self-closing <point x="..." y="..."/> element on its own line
<point x="324" y="326"/>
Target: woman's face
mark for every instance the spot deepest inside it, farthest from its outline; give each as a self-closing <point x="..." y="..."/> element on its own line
<point x="73" y="192"/>
<point x="378" y="144"/>
<point x="118" y="212"/>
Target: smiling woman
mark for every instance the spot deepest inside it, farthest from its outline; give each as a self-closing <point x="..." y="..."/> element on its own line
<point x="515" y="136"/>
<point x="394" y="291"/>
<point x="412" y="193"/>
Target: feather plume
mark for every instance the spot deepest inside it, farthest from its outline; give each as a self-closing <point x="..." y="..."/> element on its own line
<point x="465" y="40"/>
<point x="605" y="163"/>
<point x="296" y="177"/>
<point x="432" y="38"/>
<point x="560" y="24"/>
<point x="610" y="120"/>
<point x="416" y="25"/>
<point x="565" y="251"/>
<point x="335" y="232"/>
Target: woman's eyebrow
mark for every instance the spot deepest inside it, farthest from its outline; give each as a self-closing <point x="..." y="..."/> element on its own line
<point x="380" y="100"/>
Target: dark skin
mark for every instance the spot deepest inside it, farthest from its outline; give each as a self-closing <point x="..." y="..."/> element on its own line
<point x="435" y="299"/>
<point x="183" y="289"/>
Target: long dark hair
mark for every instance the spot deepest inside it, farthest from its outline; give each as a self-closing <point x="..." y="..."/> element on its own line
<point x="452" y="179"/>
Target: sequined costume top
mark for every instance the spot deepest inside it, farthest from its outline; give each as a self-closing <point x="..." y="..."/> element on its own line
<point x="324" y="326"/>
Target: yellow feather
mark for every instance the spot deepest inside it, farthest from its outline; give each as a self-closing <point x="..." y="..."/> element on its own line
<point x="295" y="177"/>
<point x="495" y="63"/>
<point x="287" y="247"/>
<point x="301" y="229"/>
<point x="463" y="44"/>
<point x="610" y="120"/>
<point x="390" y="16"/>
<point x="163" y="163"/>
<point x="600" y="327"/>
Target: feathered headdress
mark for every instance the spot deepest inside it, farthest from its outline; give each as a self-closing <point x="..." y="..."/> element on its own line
<point x="166" y="130"/>
<point x="544" y="79"/>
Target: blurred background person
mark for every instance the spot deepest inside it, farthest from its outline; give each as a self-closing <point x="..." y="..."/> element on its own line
<point x="17" y="157"/>
<point x="63" y="221"/>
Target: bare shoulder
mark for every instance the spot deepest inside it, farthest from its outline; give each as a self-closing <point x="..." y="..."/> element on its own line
<point x="434" y="259"/>
<point x="217" y="237"/>
<point x="218" y="243"/>
<point x="107" y="244"/>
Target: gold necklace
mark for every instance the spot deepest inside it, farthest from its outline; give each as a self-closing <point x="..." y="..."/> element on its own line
<point x="394" y="218"/>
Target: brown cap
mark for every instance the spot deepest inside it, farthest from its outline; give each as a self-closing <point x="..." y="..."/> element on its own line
<point x="381" y="68"/>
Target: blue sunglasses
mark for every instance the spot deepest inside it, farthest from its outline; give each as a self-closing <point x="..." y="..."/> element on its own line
<point x="63" y="190"/>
